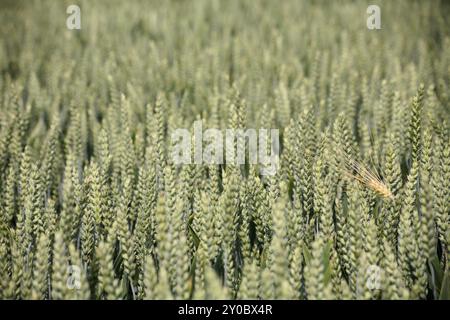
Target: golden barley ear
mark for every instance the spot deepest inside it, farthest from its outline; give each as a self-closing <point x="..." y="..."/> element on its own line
<point x="369" y="178"/>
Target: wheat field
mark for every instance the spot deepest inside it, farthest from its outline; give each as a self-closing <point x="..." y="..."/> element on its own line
<point x="92" y="205"/>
